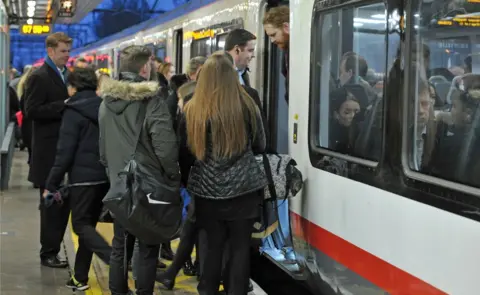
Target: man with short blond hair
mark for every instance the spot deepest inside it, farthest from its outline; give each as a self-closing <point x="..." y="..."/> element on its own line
<point x="44" y="104"/>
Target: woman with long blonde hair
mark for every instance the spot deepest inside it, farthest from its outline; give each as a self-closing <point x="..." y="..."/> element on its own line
<point x="27" y="125"/>
<point x="222" y="128"/>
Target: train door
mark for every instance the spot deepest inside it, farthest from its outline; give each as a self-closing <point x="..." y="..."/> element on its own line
<point x="178" y="47"/>
<point x="278" y="246"/>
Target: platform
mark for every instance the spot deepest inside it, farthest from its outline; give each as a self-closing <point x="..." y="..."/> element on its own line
<point x="20" y="269"/>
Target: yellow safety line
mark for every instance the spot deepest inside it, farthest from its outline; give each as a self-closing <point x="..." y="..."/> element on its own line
<point x="106" y="230"/>
<point x="92" y="279"/>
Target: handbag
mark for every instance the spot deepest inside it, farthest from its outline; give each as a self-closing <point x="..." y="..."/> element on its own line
<point x="153" y="217"/>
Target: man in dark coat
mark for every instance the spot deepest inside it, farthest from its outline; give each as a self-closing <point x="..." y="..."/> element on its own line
<point x="44" y="104"/>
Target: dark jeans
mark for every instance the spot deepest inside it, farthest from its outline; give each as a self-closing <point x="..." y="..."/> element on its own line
<point x="86" y="204"/>
<point x="53" y="222"/>
<point x="147" y="264"/>
<point x="237" y="272"/>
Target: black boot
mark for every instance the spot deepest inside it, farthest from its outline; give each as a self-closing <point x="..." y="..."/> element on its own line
<point x="166" y="252"/>
<point x="189" y="269"/>
<point x="160" y="264"/>
<point x="164" y="279"/>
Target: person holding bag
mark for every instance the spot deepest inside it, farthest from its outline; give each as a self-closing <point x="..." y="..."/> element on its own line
<point x="78" y="155"/>
<point x="138" y="147"/>
<point x="223" y="129"/>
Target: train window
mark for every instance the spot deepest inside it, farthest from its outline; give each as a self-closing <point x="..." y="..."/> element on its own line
<point x="444" y="111"/>
<point x="221" y="41"/>
<point x="201" y="47"/>
<point x="347" y="81"/>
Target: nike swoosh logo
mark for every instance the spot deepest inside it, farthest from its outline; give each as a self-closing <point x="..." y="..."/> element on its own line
<point x="151" y="201"/>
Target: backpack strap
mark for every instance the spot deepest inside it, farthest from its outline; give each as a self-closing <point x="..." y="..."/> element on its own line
<point x="142" y="112"/>
<point x="268" y="174"/>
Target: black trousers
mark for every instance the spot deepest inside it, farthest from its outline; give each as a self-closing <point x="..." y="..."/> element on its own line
<point x="237" y="272"/>
<point x="188" y="239"/>
<point x="86" y="204"/>
<point x="147" y="264"/>
<point x="53" y="222"/>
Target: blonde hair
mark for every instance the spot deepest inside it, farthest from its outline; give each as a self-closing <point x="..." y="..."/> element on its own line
<point x="165" y="68"/>
<point x="22" y="84"/>
<point x="54" y="39"/>
<point x="220" y="104"/>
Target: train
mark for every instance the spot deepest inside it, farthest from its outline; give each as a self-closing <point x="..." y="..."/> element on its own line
<point x="368" y="221"/>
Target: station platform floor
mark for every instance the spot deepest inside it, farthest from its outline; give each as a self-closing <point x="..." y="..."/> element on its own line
<point x="20" y="270"/>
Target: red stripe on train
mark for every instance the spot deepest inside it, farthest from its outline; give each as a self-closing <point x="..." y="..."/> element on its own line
<point x="379" y="272"/>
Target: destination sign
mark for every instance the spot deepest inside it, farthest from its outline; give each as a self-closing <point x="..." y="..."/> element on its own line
<point x="35" y="29"/>
<point x="460" y="21"/>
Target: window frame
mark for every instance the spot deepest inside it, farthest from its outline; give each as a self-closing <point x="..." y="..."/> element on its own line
<point x="194" y="42"/>
<point x="314" y="121"/>
<point x="219" y="29"/>
<point x="407" y="140"/>
<point x="217" y="38"/>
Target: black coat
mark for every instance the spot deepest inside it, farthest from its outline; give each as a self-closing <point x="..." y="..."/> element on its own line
<point x="14" y="104"/>
<point x="27" y="125"/>
<point x="186" y="158"/>
<point x="44" y="104"/>
<point x="78" y="144"/>
<point x="233" y="177"/>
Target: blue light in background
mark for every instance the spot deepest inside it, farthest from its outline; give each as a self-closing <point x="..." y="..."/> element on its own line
<point x="95" y="26"/>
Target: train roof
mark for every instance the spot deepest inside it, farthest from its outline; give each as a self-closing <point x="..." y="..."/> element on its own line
<point x="151" y="23"/>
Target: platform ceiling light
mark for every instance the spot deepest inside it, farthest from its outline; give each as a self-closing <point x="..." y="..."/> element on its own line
<point x="30" y="21"/>
<point x="30" y="13"/>
<point x="31" y="3"/>
<point x="30" y="8"/>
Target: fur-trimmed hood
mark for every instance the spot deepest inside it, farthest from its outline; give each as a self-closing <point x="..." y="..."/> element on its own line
<point x="119" y="94"/>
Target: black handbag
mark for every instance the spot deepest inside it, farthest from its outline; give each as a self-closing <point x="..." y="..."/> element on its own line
<point x="152" y="217"/>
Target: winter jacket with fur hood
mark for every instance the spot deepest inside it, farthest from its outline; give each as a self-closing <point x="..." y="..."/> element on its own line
<point x="157" y="151"/>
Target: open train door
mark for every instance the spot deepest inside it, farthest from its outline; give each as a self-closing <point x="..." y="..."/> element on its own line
<point x="279" y="245"/>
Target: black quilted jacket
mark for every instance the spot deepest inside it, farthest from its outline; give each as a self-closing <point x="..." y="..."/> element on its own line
<point x="225" y="178"/>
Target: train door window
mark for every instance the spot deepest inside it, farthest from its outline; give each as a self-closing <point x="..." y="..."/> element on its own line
<point x="220" y="44"/>
<point x="179" y="50"/>
<point x="346" y="113"/>
<point x="201" y="47"/>
<point x="443" y="110"/>
<point x="160" y="52"/>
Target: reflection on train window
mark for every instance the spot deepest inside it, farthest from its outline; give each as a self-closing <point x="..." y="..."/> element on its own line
<point x="445" y="116"/>
<point x="348" y="81"/>
<point x="201" y="47"/>
<point x="160" y="52"/>
<point x="221" y="41"/>
<point x="102" y="61"/>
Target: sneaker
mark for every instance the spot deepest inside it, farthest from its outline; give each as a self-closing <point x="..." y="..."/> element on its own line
<point x="275" y="253"/>
<point x="76" y="285"/>
<point x="289" y="253"/>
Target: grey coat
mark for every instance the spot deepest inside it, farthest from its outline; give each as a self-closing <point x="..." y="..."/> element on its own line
<point x="157" y="151"/>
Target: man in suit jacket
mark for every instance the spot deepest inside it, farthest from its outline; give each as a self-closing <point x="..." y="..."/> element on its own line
<point x="44" y="104"/>
<point x="240" y="46"/>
